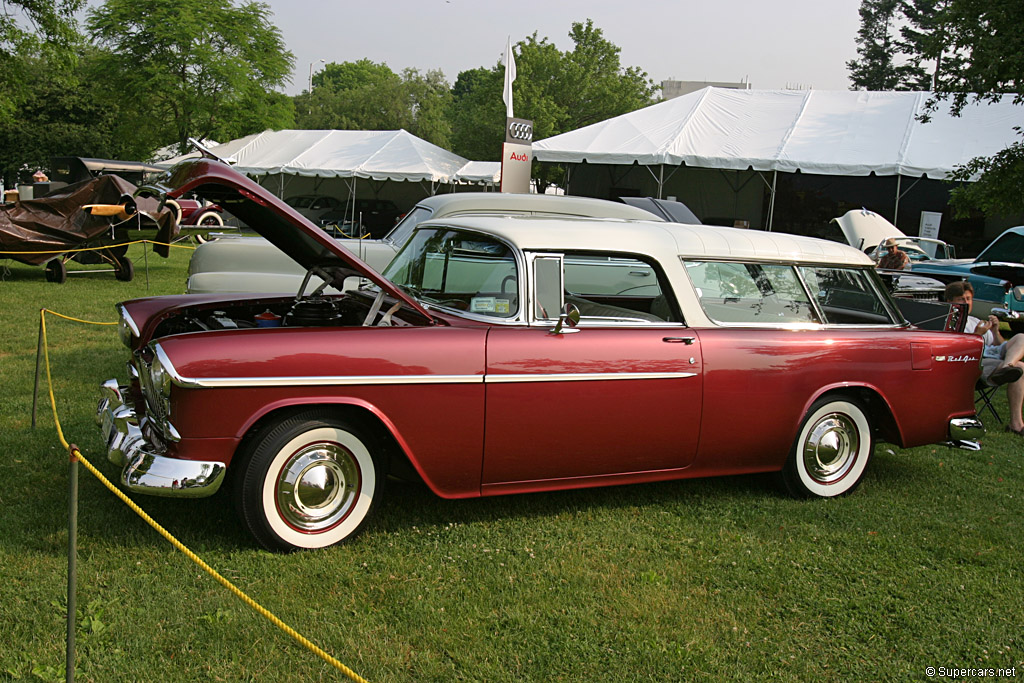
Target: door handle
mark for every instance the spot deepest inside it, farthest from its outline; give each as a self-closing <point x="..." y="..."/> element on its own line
<point x="679" y="340"/>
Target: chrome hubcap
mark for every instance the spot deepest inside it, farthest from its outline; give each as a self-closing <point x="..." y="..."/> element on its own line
<point x="831" y="448"/>
<point x="317" y="487"/>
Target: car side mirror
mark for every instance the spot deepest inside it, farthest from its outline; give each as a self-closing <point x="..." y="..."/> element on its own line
<point x="567" y="321"/>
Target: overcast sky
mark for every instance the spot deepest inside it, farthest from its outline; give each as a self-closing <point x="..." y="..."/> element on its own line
<point x="784" y="43"/>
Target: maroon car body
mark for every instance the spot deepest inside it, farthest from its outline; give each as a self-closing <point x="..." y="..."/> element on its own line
<point x="506" y="390"/>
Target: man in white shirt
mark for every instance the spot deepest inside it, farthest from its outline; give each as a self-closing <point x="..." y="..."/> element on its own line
<point x="1007" y="356"/>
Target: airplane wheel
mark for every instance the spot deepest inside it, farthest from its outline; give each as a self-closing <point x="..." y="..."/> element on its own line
<point x="56" y="271"/>
<point x="124" y="269"/>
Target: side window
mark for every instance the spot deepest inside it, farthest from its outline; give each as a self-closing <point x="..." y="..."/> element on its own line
<point x="617" y="288"/>
<point x="846" y="295"/>
<point x="745" y="293"/>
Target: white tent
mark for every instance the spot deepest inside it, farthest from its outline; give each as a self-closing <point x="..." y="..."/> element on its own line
<point x="308" y="161"/>
<point x="815" y="131"/>
<point x="377" y="154"/>
<point x="849" y="133"/>
<point x="480" y="173"/>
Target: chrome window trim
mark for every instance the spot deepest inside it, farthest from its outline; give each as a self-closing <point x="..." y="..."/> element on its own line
<point x="531" y="276"/>
<point x="597" y="321"/>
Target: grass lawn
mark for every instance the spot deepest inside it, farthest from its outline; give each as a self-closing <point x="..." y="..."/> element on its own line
<point x="722" y="579"/>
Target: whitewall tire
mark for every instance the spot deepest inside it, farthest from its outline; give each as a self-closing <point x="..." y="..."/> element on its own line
<point x="210" y="219"/>
<point x="308" y="481"/>
<point x="831" y="451"/>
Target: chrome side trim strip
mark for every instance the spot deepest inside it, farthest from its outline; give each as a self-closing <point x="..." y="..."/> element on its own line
<point x="585" y="377"/>
<point x="364" y="380"/>
<point x="336" y="380"/>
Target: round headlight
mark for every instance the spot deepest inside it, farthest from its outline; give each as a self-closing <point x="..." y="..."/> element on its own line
<point x="159" y="378"/>
<point x="124" y="331"/>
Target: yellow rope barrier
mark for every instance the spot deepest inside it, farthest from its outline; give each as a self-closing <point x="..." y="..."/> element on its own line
<point x="76" y="454"/>
<point x="77" y="320"/>
<point x="106" y="246"/>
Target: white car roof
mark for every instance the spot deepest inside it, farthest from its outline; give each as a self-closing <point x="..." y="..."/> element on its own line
<point x="659" y="239"/>
<point x="492" y="202"/>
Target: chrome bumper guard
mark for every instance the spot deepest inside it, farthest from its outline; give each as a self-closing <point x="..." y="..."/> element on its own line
<point x="145" y="468"/>
<point x="964" y="433"/>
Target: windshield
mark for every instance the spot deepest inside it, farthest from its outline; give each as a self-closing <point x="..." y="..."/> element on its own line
<point x="300" y="202"/>
<point x="458" y="269"/>
<point x="1008" y="248"/>
<point x="917" y="249"/>
<point x="405" y="227"/>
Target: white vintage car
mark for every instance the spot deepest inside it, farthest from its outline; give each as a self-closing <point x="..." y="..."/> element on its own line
<point x="234" y="263"/>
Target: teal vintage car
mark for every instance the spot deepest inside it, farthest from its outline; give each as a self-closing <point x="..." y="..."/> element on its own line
<point x="997" y="276"/>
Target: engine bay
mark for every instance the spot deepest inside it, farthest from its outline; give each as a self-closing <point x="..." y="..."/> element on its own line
<point x="352" y="309"/>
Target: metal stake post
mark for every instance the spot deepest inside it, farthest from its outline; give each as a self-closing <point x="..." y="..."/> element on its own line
<point x="39" y="357"/>
<point x="69" y="661"/>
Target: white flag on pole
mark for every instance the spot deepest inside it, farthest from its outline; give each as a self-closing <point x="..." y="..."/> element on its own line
<point x="510" y="75"/>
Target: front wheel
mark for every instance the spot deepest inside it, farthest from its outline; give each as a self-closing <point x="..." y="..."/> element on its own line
<point x="831" y="451"/>
<point x="308" y="481"/>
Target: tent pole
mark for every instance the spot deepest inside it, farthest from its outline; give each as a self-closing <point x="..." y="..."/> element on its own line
<point x="896" y="211"/>
<point x="352" y="204"/>
<point x="661" y="179"/>
<point x="771" y="203"/>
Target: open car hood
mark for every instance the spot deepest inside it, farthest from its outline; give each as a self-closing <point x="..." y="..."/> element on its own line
<point x="282" y="226"/>
<point x="863" y="228"/>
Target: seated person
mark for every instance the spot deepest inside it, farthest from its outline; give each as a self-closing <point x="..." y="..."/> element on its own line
<point x="1002" y="358"/>
<point x="894" y="258"/>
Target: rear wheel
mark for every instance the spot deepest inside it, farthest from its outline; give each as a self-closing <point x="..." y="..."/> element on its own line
<point x="175" y="208"/>
<point x="309" y="481"/>
<point x="831" y="451"/>
<point x="210" y="219"/>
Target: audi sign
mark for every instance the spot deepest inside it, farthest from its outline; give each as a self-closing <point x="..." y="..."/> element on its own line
<point x="518" y="131"/>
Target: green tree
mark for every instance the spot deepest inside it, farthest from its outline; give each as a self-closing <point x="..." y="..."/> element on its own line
<point x="364" y="95"/>
<point x="32" y="30"/>
<point x="559" y="91"/>
<point x="986" y="37"/>
<point x="67" y="112"/>
<point x="921" y="31"/>
<point x="882" y="63"/>
<point x="192" y="68"/>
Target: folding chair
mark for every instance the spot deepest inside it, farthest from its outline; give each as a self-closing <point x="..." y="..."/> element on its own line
<point x="984" y="393"/>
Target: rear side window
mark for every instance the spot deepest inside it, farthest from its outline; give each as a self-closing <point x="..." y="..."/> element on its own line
<point x="751" y="293"/>
<point x="847" y="296"/>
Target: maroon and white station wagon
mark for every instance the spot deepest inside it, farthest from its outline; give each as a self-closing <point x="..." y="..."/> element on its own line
<point x="503" y="355"/>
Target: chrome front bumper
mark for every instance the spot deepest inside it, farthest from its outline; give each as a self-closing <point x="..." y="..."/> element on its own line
<point x="146" y="468"/>
<point x="964" y="433"/>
